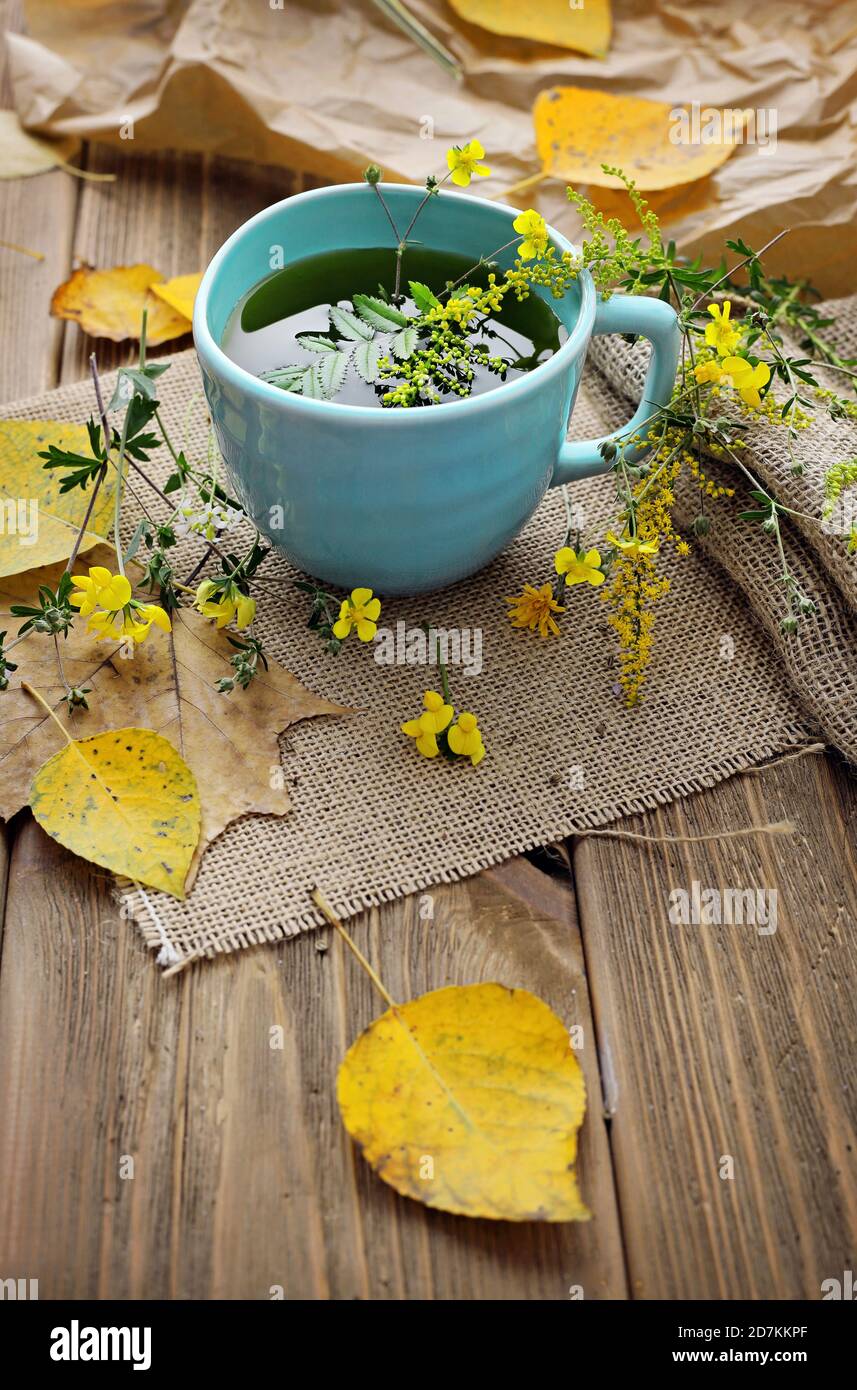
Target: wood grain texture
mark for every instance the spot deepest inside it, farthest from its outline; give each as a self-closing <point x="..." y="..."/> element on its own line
<point x="724" y="1041"/>
<point x="37" y="213"/>
<point x="243" y="1177"/>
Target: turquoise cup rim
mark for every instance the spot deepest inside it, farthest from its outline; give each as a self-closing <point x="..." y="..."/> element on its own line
<point x="238" y="377"/>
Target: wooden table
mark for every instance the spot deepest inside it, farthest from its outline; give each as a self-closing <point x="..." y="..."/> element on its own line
<point x="697" y="1043"/>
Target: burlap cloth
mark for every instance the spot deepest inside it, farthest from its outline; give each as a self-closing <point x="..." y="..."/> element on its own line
<point x="372" y="821"/>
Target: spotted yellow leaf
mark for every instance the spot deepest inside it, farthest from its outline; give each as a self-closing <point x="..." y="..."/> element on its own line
<point x="110" y="304"/>
<point x="126" y="800"/>
<point x="40" y="523"/>
<point x="578" y="130"/>
<point x="179" y="293"/>
<point x="469" y="1099"/>
<point x="584" y="27"/>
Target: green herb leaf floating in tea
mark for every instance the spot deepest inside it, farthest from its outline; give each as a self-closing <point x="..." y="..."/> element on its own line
<point x="405" y="342"/>
<point x="315" y="342"/>
<point x="311" y="385"/>
<point x="330" y="372"/>
<point x="287" y="378"/>
<point x="379" y="314"/>
<point x="366" y="360"/>
<point x="350" y="326"/>
<point x="422" y="296"/>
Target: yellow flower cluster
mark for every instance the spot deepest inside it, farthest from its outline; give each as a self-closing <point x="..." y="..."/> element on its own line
<point x="463" y="739"/>
<point x="223" y="603"/>
<point x="106" y="600"/>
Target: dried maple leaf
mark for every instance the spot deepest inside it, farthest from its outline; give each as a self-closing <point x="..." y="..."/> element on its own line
<point x="110" y="304"/>
<point x="228" y="741"/>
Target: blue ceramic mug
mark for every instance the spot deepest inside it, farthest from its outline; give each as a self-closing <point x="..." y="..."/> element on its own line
<point x="404" y="501"/>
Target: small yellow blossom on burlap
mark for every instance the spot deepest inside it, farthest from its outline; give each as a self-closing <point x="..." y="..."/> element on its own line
<point x="434" y="719"/>
<point x="465" y="739"/>
<point x="534" y="608"/>
<point x="361" y="611"/>
<point x="579" y="567"/>
<point x="463" y="163"/>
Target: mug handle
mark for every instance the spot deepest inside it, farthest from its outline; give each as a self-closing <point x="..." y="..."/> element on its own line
<point x="652" y="319"/>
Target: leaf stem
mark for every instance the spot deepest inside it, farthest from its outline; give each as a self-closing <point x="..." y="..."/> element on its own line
<point x="327" y="911"/>
<point x="46" y="707"/>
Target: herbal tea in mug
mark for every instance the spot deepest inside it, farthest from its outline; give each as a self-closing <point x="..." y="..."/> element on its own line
<point x="332" y="326"/>
<point x="326" y="319"/>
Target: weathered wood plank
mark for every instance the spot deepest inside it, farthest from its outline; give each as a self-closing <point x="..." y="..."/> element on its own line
<point x="37" y="213"/>
<point x="723" y="1041"/>
<point x="92" y="1052"/>
<point x="243" y="1177"/>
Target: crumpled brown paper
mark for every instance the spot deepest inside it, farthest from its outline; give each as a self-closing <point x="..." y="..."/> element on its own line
<point x="327" y="86"/>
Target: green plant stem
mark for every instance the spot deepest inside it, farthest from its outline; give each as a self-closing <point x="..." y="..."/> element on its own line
<point x="117" y="501"/>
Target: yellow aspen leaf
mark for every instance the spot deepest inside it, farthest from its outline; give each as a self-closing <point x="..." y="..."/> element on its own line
<point x="110" y="304"/>
<point x="586" y="28"/>
<point x="125" y="800"/>
<point x="179" y="293"/>
<point x="578" y="130"/>
<point x="469" y="1099"/>
<point x="40" y="523"/>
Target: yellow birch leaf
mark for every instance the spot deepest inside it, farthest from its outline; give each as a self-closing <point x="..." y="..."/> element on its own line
<point x="110" y="304"/>
<point x="124" y="800"/>
<point x="38" y="523"/>
<point x="469" y="1099"/>
<point x="179" y="293"/>
<point x="584" y="28"/>
<point x="578" y="130"/>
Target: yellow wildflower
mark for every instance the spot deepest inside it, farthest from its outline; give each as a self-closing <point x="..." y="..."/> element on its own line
<point x="106" y="600"/>
<point x="579" y="568"/>
<point x="747" y="379"/>
<point x="463" y="162"/>
<point x="222" y="604"/>
<point x="532" y="227"/>
<point x="434" y="719"/>
<point x="632" y="545"/>
<point x="465" y="739"/>
<point x="712" y="371"/>
<point x="737" y="372"/>
<point x="533" y="608"/>
<point x="362" y="611"/>
<point x="722" y="335"/>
